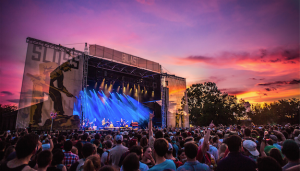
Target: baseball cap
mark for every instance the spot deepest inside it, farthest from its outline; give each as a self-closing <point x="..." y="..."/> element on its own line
<point x="119" y="138"/>
<point x="251" y="147"/>
<point x="274" y="138"/>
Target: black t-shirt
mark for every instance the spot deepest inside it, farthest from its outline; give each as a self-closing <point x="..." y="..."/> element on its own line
<point x="5" y="168"/>
<point x="73" y="166"/>
<point x="1" y="155"/>
<point x="58" y="146"/>
<point x="52" y="168"/>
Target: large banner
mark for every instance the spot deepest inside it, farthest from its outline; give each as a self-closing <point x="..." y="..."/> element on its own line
<point x="110" y="54"/>
<point x="52" y="79"/>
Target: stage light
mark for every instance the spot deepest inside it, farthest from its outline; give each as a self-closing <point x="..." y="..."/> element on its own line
<point x="95" y="85"/>
<point x="110" y="87"/>
<point x="102" y="84"/>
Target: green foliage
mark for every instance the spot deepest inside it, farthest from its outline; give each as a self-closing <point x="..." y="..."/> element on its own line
<point x="207" y="103"/>
<point x="281" y="112"/>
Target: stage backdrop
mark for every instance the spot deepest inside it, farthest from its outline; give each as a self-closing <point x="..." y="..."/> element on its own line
<point x="52" y="79"/>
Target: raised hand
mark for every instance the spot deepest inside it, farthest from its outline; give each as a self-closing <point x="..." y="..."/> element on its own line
<point x="211" y="125"/>
<point x="151" y="115"/>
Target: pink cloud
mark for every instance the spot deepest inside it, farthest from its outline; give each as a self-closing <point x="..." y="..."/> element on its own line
<point x="146" y="2"/>
<point x="275" y="59"/>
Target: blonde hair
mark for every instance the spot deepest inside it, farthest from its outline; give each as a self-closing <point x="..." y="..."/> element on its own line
<point x="222" y="148"/>
<point x="74" y="150"/>
<point x="108" y="137"/>
<point x="92" y="163"/>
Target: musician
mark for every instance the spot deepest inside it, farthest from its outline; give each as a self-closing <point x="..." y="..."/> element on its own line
<point x="107" y="122"/>
<point x="103" y="122"/>
<point x="123" y="123"/>
<point x="92" y="123"/>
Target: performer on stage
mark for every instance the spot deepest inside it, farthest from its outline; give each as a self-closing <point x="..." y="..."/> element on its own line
<point x="103" y="122"/>
<point x="123" y="123"/>
<point x="107" y="123"/>
<point x="93" y="123"/>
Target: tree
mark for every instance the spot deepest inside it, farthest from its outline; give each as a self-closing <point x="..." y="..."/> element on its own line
<point x="207" y="103"/>
<point x="7" y="108"/>
<point x="281" y="112"/>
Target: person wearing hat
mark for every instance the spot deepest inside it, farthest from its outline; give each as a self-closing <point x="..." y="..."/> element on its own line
<point x="297" y="140"/>
<point x="250" y="149"/>
<point x="169" y="155"/>
<point x="117" y="151"/>
<point x="291" y="151"/>
<point x="275" y="140"/>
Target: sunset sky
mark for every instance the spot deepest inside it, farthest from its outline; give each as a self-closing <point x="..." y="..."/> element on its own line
<point x="249" y="48"/>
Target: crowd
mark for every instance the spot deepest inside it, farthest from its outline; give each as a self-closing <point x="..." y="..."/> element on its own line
<point x="205" y="148"/>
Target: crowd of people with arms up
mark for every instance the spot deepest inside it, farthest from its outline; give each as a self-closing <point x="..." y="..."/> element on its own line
<point x="201" y="148"/>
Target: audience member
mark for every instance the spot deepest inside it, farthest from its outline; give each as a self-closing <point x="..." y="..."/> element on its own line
<point x="131" y="162"/>
<point x="117" y="151"/>
<point x="25" y="149"/>
<point x="44" y="160"/>
<point x="268" y="164"/>
<point x="147" y="157"/>
<point x="70" y="158"/>
<point x="160" y="150"/>
<point x="291" y="151"/>
<point x="57" y="160"/>
<point x="87" y="150"/>
<point x="235" y="161"/>
<point x="92" y="163"/>
<point x="190" y="150"/>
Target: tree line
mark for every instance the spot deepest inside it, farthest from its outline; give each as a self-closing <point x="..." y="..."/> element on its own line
<point x="206" y="103"/>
